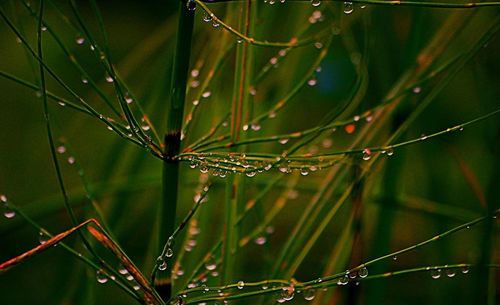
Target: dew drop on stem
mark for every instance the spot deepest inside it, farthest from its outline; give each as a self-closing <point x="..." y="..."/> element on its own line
<point x="315" y="3"/>
<point x="42" y="237"/>
<point x="367" y="154"/>
<point x="7" y="211"/>
<point x="122" y="270"/>
<point x="79" y="39"/>
<point x="343" y="280"/>
<point x="304" y="171"/>
<point x="240" y="284"/>
<point x="436" y="273"/>
<point x="348" y="7"/>
<point x="211" y="264"/>
<point x="309" y="294"/>
<point x="283" y="141"/>
<point x="169" y="252"/>
<point x="101" y="277"/>
<point x="207" y="17"/>
<point x="363" y="272"/>
<point x="450" y="272"/>
<point x="251" y="173"/>
<point x="162" y="266"/>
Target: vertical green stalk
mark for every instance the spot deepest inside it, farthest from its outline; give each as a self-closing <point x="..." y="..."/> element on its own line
<point x="234" y="184"/>
<point x="167" y="209"/>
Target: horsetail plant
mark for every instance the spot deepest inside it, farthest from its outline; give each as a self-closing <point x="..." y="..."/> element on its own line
<point x="319" y="143"/>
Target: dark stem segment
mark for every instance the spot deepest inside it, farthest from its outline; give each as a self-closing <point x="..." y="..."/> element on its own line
<point x="167" y="210"/>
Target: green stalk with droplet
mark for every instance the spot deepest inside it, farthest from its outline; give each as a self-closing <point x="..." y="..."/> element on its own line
<point x="172" y="140"/>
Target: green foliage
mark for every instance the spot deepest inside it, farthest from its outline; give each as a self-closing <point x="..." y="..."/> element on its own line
<point x="337" y="152"/>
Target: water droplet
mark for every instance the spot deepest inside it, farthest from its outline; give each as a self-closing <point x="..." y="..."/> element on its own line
<point x="315" y="3"/>
<point x="128" y="98"/>
<point x="122" y="270"/>
<point x="239" y="40"/>
<point x="389" y="151"/>
<point x="109" y="78"/>
<point x="207" y="17"/>
<point x="343" y="280"/>
<point x="204" y="168"/>
<point x="252" y="90"/>
<point x="3" y="198"/>
<point x="436" y="273"/>
<point x="352" y="275"/>
<point x="44" y="28"/>
<point x="309" y="294"/>
<point x="367" y="154"/>
<point x="129" y="277"/>
<point x="61" y="149"/>
<point x="85" y="80"/>
<point x="162" y="266"/>
<point x="101" y="277"/>
<point x="79" y="40"/>
<point x="283" y="141"/>
<point x="8" y="212"/>
<point x="250" y="173"/>
<point x="71" y="160"/>
<point x="42" y="237"/>
<point x="417" y="90"/>
<point x="312" y="82"/>
<point x="287" y="293"/>
<point x="395" y="258"/>
<point x="348" y="7"/>
<point x="215" y="24"/>
<point x="191" y="5"/>
<point x="260" y="240"/>
<point x="211" y="264"/>
<point x="304" y="171"/>
<point x="240" y="285"/>
<point x="363" y="272"/>
<point x="169" y="253"/>
<point x="255" y="126"/>
<point x="136" y="287"/>
<point x="206" y="94"/>
<point x="465" y="269"/>
<point x="450" y="272"/>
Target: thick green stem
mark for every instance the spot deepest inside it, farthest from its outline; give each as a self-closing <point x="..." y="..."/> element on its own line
<point x="167" y="210"/>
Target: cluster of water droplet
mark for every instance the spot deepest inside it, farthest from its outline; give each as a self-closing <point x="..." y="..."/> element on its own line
<point x="62" y="150"/>
<point x="450" y="272"/>
<point x="352" y="276"/>
<point x="314" y="80"/>
<point x="221" y="166"/>
<point x="271" y="2"/>
<point x="211" y="18"/>
<point x="8" y="212"/>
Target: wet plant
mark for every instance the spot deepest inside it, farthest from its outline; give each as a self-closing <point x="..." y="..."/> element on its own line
<point x="214" y="152"/>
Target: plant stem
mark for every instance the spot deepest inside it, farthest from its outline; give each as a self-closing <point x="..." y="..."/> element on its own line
<point x="167" y="210"/>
